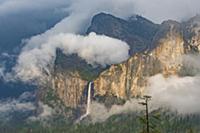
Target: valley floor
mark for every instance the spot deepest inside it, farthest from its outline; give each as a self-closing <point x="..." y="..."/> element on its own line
<point x="164" y="122"/>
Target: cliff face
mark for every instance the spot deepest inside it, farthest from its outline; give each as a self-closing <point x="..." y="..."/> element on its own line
<point x="192" y="33"/>
<point x="70" y="78"/>
<point x="129" y="79"/>
<point x="69" y="88"/>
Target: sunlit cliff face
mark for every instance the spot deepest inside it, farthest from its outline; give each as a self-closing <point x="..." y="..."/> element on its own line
<point x="170" y="51"/>
<point x="129" y="79"/>
<point x="69" y="88"/>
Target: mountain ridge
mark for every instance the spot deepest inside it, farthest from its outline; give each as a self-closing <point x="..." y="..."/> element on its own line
<point x="138" y="34"/>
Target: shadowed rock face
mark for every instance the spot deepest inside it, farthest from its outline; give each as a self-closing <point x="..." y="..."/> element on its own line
<point x="70" y="88"/>
<point x="137" y="31"/>
<point x="192" y="33"/>
<point x="166" y="45"/>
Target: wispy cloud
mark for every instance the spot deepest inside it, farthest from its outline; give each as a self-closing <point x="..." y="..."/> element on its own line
<point x="22" y="103"/>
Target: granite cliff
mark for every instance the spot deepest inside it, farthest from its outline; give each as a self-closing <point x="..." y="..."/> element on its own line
<point x="154" y="49"/>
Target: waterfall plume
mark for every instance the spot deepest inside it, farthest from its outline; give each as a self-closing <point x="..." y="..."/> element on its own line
<point x="88" y="102"/>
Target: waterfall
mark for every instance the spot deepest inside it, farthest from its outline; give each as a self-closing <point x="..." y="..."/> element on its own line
<point x="89" y="99"/>
<point x="88" y="102"/>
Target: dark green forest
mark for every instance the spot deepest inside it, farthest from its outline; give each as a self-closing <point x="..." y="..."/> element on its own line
<point x="160" y="122"/>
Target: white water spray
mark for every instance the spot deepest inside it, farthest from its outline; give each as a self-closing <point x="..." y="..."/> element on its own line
<point x="88" y="102"/>
<point x="89" y="99"/>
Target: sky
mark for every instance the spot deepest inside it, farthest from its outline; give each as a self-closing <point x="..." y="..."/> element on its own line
<point x="156" y="10"/>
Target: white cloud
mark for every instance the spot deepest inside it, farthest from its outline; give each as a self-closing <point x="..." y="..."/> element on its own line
<point x="1" y="71"/>
<point x="95" y="49"/>
<point x="176" y="93"/>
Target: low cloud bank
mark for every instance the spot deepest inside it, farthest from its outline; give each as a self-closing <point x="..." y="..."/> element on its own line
<point x="179" y="94"/>
<point x="100" y="113"/>
<point x="25" y="107"/>
<point x="15" y="105"/>
<point x="20" y="106"/>
<point x="22" y="103"/>
<point x="94" y="49"/>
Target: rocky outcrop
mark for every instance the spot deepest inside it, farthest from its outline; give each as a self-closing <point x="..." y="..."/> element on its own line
<point x="192" y="33"/>
<point x="129" y="79"/>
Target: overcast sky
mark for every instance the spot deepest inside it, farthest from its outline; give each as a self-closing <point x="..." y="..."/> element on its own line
<point x="156" y="10"/>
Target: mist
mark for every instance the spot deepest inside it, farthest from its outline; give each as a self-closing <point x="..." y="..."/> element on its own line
<point x="99" y="113"/>
<point x="175" y="93"/>
<point x="1" y="72"/>
<point x="25" y="107"/>
<point x="21" y="105"/>
<point x="178" y="93"/>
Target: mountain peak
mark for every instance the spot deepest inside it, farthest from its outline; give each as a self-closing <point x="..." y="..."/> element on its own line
<point x="170" y="22"/>
<point x="195" y="18"/>
<point x="138" y="18"/>
<point x="102" y="14"/>
<point x="136" y="31"/>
